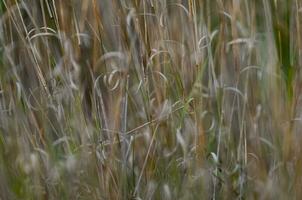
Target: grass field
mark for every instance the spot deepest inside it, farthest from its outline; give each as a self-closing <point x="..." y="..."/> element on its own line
<point x="150" y="99"/>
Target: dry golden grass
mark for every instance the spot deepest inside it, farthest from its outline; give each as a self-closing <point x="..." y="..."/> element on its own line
<point x="150" y="99"/>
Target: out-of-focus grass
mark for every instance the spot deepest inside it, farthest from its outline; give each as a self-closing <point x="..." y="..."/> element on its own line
<point x="172" y="99"/>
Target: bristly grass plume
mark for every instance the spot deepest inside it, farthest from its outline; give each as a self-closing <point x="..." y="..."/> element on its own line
<point x="150" y="99"/>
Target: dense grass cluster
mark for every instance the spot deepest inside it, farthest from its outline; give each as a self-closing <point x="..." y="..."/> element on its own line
<point x="150" y="99"/>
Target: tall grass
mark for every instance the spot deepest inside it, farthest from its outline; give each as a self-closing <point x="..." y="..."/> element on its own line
<point x="149" y="99"/>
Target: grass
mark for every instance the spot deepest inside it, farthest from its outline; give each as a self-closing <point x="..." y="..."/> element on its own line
<point x="173" y="99"/>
